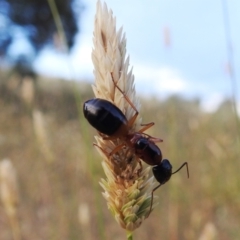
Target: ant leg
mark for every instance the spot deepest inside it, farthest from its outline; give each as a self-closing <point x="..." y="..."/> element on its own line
<point x="155" y="140"/>
<point x="104" y="151"/>
<point x="124" y="94"/>
<point x="116" y="149"/>
<point x="152" y="198"/>
<point x="133" y="118"/>
<point x="182" y="167"/>
<point x="146" y="126"/>
<point x="109" y="154"/>
<point x="140" y="167"/>
<point x="152" y="139"/>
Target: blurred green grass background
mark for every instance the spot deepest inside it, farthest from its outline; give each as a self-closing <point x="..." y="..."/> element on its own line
<point x="44" y="134"/>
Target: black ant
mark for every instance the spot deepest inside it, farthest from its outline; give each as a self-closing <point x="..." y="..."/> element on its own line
<point x="112" y="124"/>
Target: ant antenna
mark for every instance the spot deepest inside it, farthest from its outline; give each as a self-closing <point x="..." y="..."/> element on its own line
<point x="181" y="168"/>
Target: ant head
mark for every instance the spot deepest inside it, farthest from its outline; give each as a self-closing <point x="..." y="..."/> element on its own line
<point x="163" y="171"/>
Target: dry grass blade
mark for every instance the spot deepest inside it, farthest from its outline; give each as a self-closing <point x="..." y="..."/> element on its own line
<point x="10" y="195"/>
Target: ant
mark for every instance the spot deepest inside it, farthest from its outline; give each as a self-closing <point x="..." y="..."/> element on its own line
<point x="112" y="124"/>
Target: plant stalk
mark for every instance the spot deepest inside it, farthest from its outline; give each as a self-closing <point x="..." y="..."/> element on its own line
<point x="129" y="235"/>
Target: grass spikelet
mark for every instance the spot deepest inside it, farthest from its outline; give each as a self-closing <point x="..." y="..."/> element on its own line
<point x="127" y="191"/>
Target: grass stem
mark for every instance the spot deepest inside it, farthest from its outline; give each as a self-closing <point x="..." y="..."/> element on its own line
<point x="63" y="38"/>
<point x="129" y="235"/>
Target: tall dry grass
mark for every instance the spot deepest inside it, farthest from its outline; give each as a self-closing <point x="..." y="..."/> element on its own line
<point x="60" y="199"/>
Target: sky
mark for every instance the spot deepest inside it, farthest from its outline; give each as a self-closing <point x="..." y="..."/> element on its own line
<point x="175" y="47"/>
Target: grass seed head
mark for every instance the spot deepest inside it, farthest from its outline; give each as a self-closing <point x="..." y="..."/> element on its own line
<point x="128" y="192"/>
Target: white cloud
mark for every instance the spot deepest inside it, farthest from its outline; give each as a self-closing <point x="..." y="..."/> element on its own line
<point x="212" y="102"/>
<point x="170" y="80"/>
<point x="53" y="64"/>
<point x="81" y="57"/>
<point x="77" y="65"/>
<point x="164" y="80"/>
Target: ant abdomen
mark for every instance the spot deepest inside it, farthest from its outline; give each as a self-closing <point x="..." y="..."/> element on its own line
<point x="104" y="116"/>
